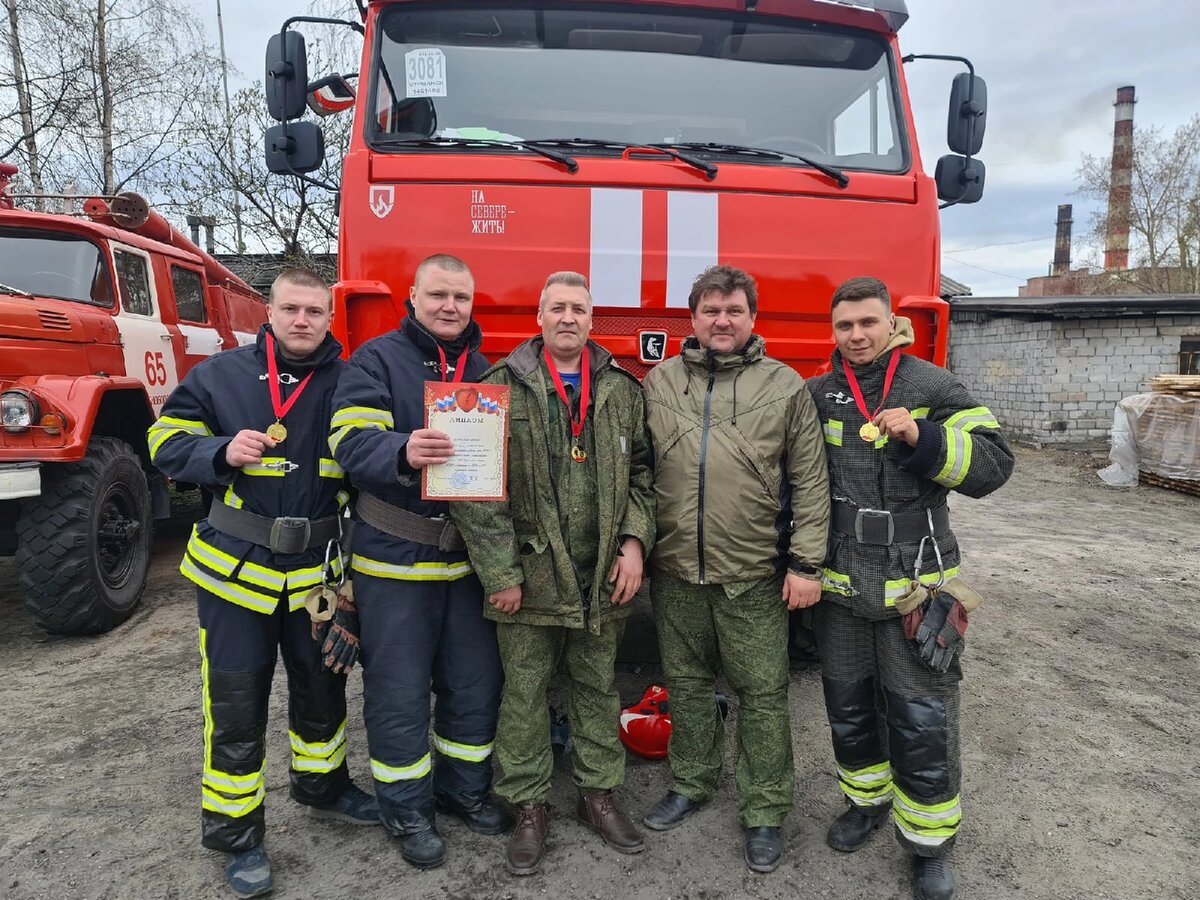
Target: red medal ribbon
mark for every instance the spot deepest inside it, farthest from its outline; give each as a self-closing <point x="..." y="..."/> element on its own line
<point x="281" y="408"/>
<point x="459" y="369"/>
<point x="585" y="392"/>
<point x="857" y="391"/>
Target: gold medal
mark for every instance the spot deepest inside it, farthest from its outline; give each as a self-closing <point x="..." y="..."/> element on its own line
<point x="276" y="432"/>
<point x="869" y="432"/>
<point x="578" y="454"/>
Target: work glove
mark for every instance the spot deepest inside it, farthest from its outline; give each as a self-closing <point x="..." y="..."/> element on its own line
<point x="936" y="630"/>
<point x="338" y="636"/>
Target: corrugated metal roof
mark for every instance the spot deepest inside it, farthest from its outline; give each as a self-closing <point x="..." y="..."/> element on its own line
<point x="1090" y="307"/>
<point x="952" y="288"/>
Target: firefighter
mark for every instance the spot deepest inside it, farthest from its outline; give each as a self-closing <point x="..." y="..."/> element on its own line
<point x="743" y="510"/>
<point x="561" y="560"/>
<point x="419" y="601"/>
<point x="249" y="426"/>
<point x="901" y="433"/>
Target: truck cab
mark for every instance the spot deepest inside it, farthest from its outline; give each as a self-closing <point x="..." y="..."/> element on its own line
<point x="100" y="317"/>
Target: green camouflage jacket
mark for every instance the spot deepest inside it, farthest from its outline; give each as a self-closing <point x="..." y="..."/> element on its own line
<point x="524" y="540"/>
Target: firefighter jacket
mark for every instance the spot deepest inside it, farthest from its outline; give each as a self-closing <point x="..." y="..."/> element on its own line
<point x="558" y="533"/>
<point x="960" y="448"/>
<point x="379" y="403"/>
<point x="739" y="468"/>
<point x="298" y="477"/>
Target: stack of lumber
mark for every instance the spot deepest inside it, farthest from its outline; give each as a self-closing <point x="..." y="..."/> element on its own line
<point x="1166" y="429"/>
<point x="1183" y="385"/>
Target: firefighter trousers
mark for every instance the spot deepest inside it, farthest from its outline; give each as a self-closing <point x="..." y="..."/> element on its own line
<point x="894" y="724"/>
<point x="531" y="655"/>
<point x="238" y="649"/>
<point x="741" y="631"/>
<point x="418" y="635"/>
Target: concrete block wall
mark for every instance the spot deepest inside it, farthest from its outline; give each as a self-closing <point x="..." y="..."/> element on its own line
<point x="1055" y="382"/>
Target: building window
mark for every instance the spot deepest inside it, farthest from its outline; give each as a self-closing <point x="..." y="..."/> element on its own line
<point x="189" y="295"/>
<point x="1189" y="356"/>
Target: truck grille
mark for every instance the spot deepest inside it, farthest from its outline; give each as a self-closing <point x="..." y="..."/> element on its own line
<point x="54" y="321"/>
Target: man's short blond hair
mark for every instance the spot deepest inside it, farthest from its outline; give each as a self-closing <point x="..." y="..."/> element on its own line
<point x="300" y="277"/>
<point x="570" y="279"/>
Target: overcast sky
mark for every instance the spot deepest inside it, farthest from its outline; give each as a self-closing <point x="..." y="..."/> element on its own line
<point x="1052" y="69"/>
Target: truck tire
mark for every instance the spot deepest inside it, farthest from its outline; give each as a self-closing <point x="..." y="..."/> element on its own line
<point x="83" y="547"/>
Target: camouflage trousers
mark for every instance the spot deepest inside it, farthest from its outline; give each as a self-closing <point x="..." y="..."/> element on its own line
<point x="530" y="655"/>
<point x="742" y="631"/>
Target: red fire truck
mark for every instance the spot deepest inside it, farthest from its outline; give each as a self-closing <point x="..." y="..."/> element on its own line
<point x="100" y="317"/>
<point x="637" y="142"/>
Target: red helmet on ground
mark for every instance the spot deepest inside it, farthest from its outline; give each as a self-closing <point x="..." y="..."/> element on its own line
<point x="646" y="726"/>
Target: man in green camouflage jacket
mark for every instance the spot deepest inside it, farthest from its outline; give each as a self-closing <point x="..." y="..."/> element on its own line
<point x="900" y="434"/>
<point x="559" y="561"/>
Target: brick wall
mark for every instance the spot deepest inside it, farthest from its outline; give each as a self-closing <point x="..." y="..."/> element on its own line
<point x="1055" y="382"/>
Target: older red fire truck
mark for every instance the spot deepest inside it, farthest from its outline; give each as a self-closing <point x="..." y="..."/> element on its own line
<point x="637" y="142"/>
<point x="100" y="316"/>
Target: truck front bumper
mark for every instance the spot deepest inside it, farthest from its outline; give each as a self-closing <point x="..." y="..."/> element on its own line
<point x="20" y="480"/>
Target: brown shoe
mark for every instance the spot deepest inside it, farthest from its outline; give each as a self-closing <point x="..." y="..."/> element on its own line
<point x="523" y="855"/>
<point x="598" y="811"/>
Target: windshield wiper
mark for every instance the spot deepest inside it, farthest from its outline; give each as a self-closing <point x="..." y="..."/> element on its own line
<point x="837" y="175"/>
<point x="14" y="290"/>
<point x="709" y="170"/>
<point x="562" y="159"/>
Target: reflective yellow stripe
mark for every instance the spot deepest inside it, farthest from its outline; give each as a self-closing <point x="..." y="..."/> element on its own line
<point x="391" y="774"/>
<point x="236" y="808"/>
<point x="832" y="430"/>
<point x="232" y="784"/>
<point x="225" y="564"/>
<point x="328" y="468"/>
<point x="232" y="499"/>
<point x="869" y="786"/>
<point x="468" y="752"/>
<point x="318" y="749"/>
<point x="896" y="588"/>
<point x="363" y="416"/>
<point x="970" y="419"/>
<point x="926" y="825"/>
<point x="206" y="700"/>
<point x="960" y="444"/>
<point x="306" y="764"/>
<point x="343" y="497"/>
<point x="920" y="412"/>
<point x="167" y="426"/>
<point x="227" y="590"/>
<point x="261" y="468"/>
<point x="425" y="571"/>
<point x="836" y="583"/>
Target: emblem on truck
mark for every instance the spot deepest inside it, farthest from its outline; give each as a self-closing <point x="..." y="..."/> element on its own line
<point x="383" y="198"/>
<point x="652" y="346"/>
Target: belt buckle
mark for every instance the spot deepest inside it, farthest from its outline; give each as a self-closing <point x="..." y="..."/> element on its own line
<point x="290" y="534"/>
<point x="874" y="527"/>
<point x="448" y="537"/>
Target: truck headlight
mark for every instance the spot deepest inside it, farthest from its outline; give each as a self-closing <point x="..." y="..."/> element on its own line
<point x="18" y="411"/>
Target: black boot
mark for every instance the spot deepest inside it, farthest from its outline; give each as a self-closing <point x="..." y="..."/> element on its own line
<point x="764" y="848"/>
<point x="671" y="812"/>
<point x="423" y="849"/>
<point x="481" y="816"/>
<point x="933" y="878"/>
<point x="850" y="830"/>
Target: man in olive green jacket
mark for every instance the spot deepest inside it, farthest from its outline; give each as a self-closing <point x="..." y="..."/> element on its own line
<point x="559" y="561"/>
<point x="743" y="497"/>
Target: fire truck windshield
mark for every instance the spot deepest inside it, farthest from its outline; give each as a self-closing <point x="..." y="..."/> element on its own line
<point x="49" y="264"/>
<point x="641" y="75"/>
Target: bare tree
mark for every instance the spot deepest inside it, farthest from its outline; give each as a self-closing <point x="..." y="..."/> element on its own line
<point x="1164" y="215"/>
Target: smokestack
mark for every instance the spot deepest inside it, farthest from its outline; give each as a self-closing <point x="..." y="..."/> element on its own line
<point x="1116" y="244"/>
<point x="1062" y="241"/>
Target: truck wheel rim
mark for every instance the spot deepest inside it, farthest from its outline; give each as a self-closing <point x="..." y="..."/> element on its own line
<point x="118" y="537"/>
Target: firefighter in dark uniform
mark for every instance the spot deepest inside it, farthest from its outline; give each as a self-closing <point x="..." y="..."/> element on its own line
<point x="900" y="434"/>
<point x="420" y="602"/>
<point x="249" y="425"/>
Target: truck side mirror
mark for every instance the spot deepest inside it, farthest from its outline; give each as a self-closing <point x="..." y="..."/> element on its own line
<point x="293" y="149"/>
<point x="331" y="95"/>
<point x="959" y="180"/>
<point x="286" y="76"/>
<point x="967" y="118"/>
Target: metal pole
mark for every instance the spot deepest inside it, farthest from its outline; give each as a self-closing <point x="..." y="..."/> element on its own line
<point x="237" y="203"/>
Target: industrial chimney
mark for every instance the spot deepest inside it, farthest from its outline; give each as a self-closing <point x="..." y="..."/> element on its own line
<point x="1062" y="241"/>
<point x="1116" y="244"/>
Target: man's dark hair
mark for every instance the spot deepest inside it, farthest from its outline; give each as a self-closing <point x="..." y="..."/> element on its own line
<point x="723" y="280"/>
<point x="862" y="288"/>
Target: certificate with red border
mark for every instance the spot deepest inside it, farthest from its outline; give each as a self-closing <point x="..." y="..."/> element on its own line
<point x="475" y="416"/>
